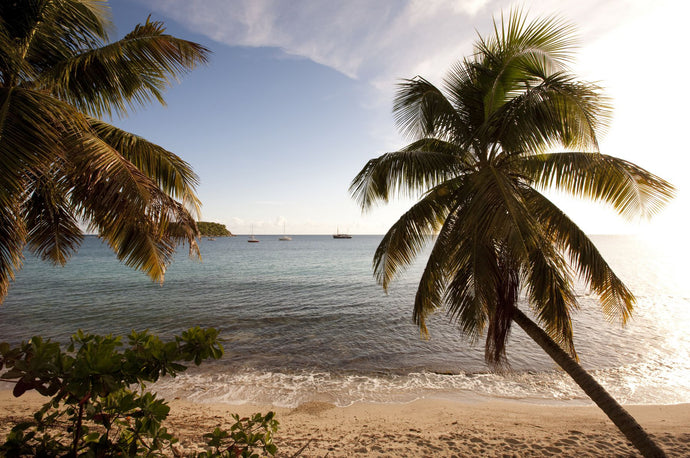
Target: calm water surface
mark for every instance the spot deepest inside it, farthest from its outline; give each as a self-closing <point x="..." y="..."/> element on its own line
<point x="304" y="320"/>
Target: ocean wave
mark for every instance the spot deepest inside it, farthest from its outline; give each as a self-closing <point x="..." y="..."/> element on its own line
<point x="629" y="385"/>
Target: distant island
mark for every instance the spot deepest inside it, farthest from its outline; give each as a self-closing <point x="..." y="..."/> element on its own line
<point x="207" y="229"/>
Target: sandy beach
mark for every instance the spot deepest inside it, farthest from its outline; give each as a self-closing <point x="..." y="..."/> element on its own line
<point x="423" y="428"/>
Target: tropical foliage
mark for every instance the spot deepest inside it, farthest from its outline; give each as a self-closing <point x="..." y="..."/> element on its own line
<point x="63" y="170"/>
<point x="99" y="405"/>
<point x="483" y="152"/>
<point x="213" y="229"/>
<point x="246" y="435"/>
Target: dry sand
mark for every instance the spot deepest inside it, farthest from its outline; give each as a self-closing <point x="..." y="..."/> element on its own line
<point x="424" y="428"/>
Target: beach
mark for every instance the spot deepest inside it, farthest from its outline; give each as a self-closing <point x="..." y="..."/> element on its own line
<point x="308" y="333"/>
<point x="305" y="321"/>
<point x="426" y="427"/>
<point x="450" y="328"/>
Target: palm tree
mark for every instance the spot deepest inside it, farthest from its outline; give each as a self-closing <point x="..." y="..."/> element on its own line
<point x="481" y="155"/>
<point x="62" y="169"/>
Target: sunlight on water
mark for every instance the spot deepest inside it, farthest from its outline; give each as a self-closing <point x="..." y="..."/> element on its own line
<point x="305" y="321"/>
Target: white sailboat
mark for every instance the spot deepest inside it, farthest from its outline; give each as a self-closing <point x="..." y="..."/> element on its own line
<point x="252" y="239"/>
<point x="284" y="238"/>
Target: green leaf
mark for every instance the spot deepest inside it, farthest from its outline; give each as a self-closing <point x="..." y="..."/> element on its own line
<point x="92" y="437"/>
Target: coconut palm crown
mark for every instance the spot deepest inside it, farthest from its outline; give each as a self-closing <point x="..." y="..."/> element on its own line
<point x="481" y="155"/>
<point x="63" y="169"/>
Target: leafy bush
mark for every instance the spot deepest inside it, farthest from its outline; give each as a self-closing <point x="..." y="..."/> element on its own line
<point x="245" y="434"/>
<point x="99" y="405"/>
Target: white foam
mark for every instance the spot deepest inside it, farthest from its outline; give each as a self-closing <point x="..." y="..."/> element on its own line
<point x="628" y="385"/>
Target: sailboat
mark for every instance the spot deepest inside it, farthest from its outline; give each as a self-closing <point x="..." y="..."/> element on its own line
<point x="338" y="235"/>
<point x="252" y="239"/>
<point x="284" y="238"/>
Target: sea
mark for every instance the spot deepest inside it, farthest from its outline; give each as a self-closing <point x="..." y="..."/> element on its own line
<point x="305" y="321"/>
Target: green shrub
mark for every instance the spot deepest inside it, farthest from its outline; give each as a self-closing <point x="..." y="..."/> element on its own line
<point x="99" y="405"/>
<point x="243" y="436"/>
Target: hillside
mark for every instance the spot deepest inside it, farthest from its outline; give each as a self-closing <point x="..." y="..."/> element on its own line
<point x="207" y="229"/>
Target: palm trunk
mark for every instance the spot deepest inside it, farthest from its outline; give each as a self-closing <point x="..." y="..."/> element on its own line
<point x="618" y="415"/>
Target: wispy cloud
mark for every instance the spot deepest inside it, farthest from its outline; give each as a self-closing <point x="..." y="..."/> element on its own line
<point x="359" y="38"/>
<point x="374" y="41"/>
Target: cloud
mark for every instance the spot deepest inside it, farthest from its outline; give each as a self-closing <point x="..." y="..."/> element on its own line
<point x="376" y="41"/>
<point x="359" y="38"/>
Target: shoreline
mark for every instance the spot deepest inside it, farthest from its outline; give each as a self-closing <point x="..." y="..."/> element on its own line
<point x="425" y="427"/>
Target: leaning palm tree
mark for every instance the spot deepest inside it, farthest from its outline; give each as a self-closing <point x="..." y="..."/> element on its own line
<point x="62" y="169"/>
<point x="481" y="156"/>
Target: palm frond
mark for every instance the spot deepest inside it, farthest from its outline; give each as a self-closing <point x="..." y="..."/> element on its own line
<point x="149" y="242"/>
<point x="45" y="32"/>
<point x="471" y="286"/>
<point x="32" y="126"/>
<point x="448" y="280"/>
<point x="502" y="308"/>
<point x="421" y="110"/>
<point x="631" y="190"/>
<point x="548" y="42"/>
<point x="511" y="220"/>
<point x="174" y="176"/>
<point x="139" y="248"/>
<point x="616" y="299"/>
<point x="463" y="84"/>
<point x="520" y="54"/>
<point x="483" y="286"/>
<point x="130" y="72"/>
<point x="432" y="284"/>
<point x="526" y="249"/>
<point x="12" y="240"/>
<point x="551" y="295"/>
<point x="406" y="172"/>
<point x="559" y="111"/>
<point x="411" y="233"/>
<point x="126" y="207"/>
<point x="53" y="231"/>
<point x="12" y="64"/>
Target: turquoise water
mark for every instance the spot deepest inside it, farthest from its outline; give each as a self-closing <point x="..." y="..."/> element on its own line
<point x="304" y="320"/>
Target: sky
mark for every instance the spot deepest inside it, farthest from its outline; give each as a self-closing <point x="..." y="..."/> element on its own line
<point x="297" y="97"/>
